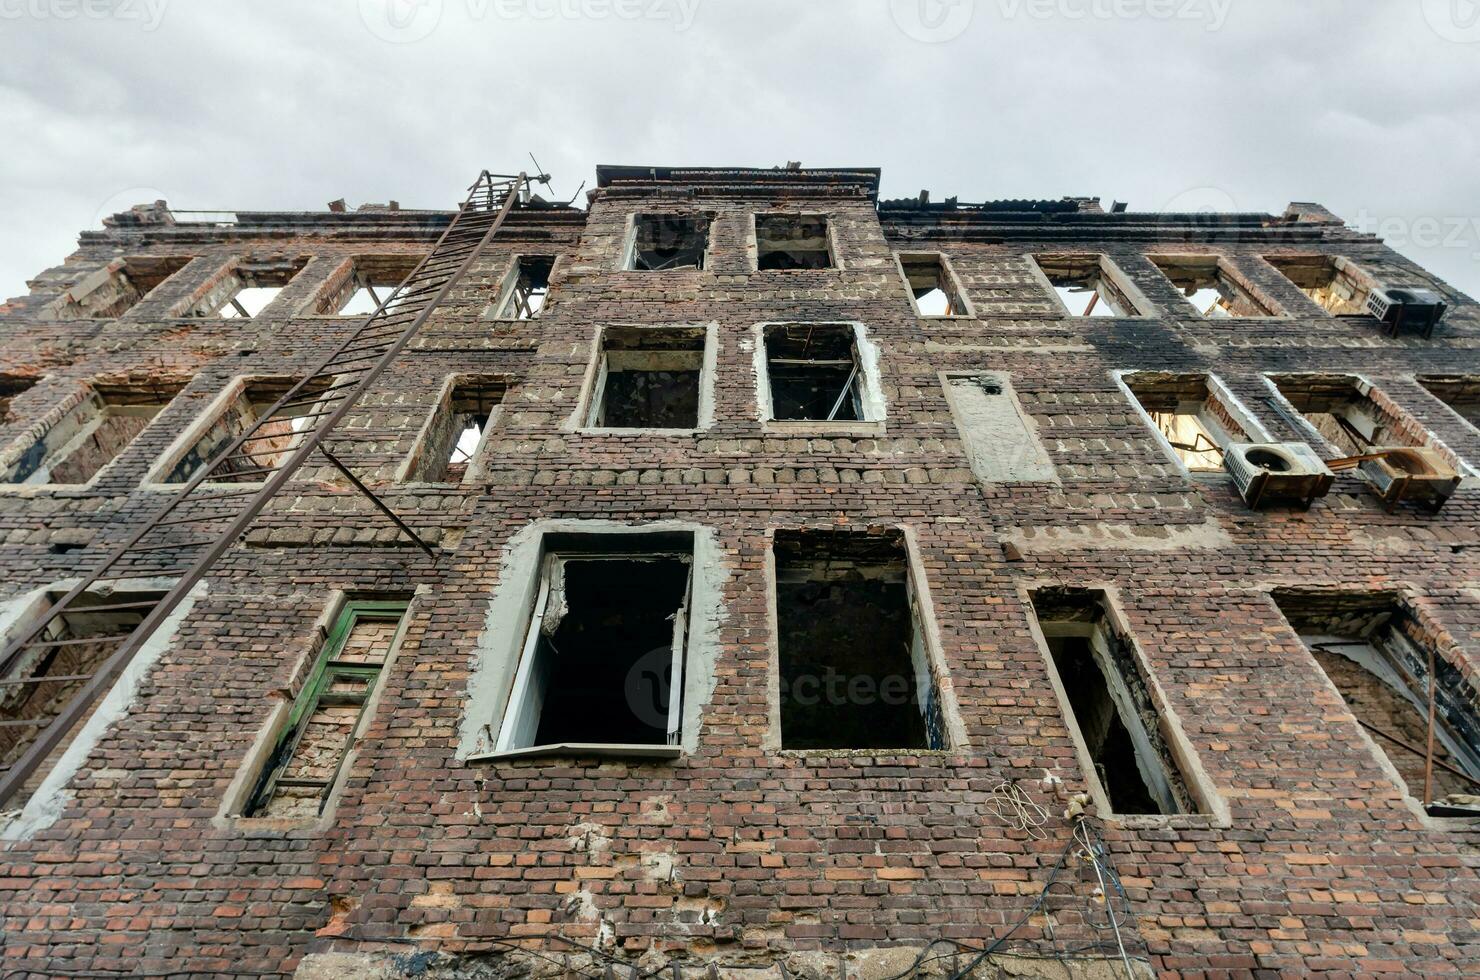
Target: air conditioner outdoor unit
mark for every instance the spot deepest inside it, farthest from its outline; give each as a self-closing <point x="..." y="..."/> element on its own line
<point x="1407" y="309"/>
<point x="1277" y="471"/>
<point x="1411" y="473"/>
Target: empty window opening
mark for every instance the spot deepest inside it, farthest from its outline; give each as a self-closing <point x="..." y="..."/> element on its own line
<point x="11" y="387"/>
<point x="933" y="285"/>
<point x="523" y="294"/>
<point x="74" y="448"/>
<point x="113" y="290"/>
<point x="370" y="281"/>
<point x="47" y="673"/>
<point x="1343" y="411"/>
<point x="308" y="758"/>
<point x="278" y="437"/>
<point x="1084" y="285"/>
<point x="814" y="372"/>
<point x="1191" y="417"/>
<point x="453" y="446"/>
<point x="853" y="664"/>
<point x="1460" y="393"/>
<point x="668" y="241"/>
<point x="247" y="289"/>
<point x="792" y="241"/>
<point x="1335" y="284"/>
<point x="1378" y="656"/>
<point x="603" y="660"/>
<point x="1210" y="286"/>
<point x="648" y="378"/>
<point x="1110" y="704"/>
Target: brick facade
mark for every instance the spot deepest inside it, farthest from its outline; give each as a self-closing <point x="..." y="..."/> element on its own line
<point x="740" y="852"/>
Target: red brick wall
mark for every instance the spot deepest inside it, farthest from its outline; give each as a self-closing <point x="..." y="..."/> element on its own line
<point x="739" y="851"/>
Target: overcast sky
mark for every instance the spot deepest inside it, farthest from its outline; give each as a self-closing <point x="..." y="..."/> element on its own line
<point x="1371" y="107"/>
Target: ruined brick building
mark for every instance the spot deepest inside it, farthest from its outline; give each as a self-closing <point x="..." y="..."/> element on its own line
<point x="741" y="572"/>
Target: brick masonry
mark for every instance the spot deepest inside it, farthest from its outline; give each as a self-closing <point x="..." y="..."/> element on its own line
<point x="738" y="852"/>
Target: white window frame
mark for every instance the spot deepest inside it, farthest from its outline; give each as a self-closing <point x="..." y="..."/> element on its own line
<point x="522" y="711"/>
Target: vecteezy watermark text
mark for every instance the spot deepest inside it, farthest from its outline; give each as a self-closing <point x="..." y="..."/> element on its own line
<point x="405" y="21"/>
<point x="1423" y="231"/>
<point x="1213" y="14"/>
<point x="148" y="13"/>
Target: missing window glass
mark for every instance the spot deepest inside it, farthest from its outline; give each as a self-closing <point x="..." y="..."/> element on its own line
<point x="792" y="241"/>
<point x="814" y="372"/>
<point x="526" y="288"/>
<point x="1211" y="286"/>
<point x="1110" y="705"/>
<point x="1386" y="667"/>
<point x="1085" y="285"/>
<point x="854" y="667"/>
<point x="648" y="378"/>
<point x="74" y="448"/>
<point x="933" y="285"/>
<point x="660" y="242"/>
<point x="602" y="665"/>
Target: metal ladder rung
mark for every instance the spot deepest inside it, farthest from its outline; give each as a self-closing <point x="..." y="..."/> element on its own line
<point x="352" y="367"/>
<point x="170" y="547"/>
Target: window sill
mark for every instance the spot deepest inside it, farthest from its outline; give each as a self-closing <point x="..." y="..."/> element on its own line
<point x="868" y="755"/>
<point x="634" y="431"/>
<point x="612" y="750"/>
<point x="1168" y="821"/>
<point x="812" y="427"/>
<point x="275" y="826"/>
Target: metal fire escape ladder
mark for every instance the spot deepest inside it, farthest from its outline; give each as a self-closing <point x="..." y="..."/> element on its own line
<point x="240" y="480"/>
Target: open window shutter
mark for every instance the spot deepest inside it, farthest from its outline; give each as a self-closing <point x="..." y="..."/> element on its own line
<point x="521" y="716"/>
<point x="680" y="654"/>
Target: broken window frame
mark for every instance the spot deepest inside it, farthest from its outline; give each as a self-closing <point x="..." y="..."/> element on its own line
<point x="958" y="304"/>
<point x="485" y="388"/>
<point x="1110" y="286"/>
<point x="1194" y="798"/>
<point x="704" y="222"/>
<point x="96" y="402"/>
<point x="1206" y="419"/>
<point x="1389" y="645"/>
<point x="1364" y="429"/>
<point x="1335" y="283"/>
<point x="131" y="273"/>
<point x="923" y="655"/>
<point x="592" y="411"/>
<point x="1460" y="394"/>
<point x="861" y="389"/>
<point x="316" y="689"/>
<point x="759" y="218"/>
<point x="515" y="291"/>
<point x="519" y="725"/>
<point x="381" y="273"/>
<point x="1216" y="269"/>
<point x="138" y="597"/>
<point x="221" y="297"/>
<point x="13" y="386"/>
<point x="159" y="476"/>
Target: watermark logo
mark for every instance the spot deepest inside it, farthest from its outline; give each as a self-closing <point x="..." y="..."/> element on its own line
<point x="1456" y="232"/>
<point x="1212" y="14"/>
<point x="401" y="21"/>
<point x="1453" y="20"/>
<point x="648" y="682"/>
<point x="148" y="14"/>
<point x="932" y="21"/>
<point x="408" y="21"/>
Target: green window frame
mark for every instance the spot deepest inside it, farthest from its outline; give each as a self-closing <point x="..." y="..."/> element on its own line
<point x="331" y="683"/>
